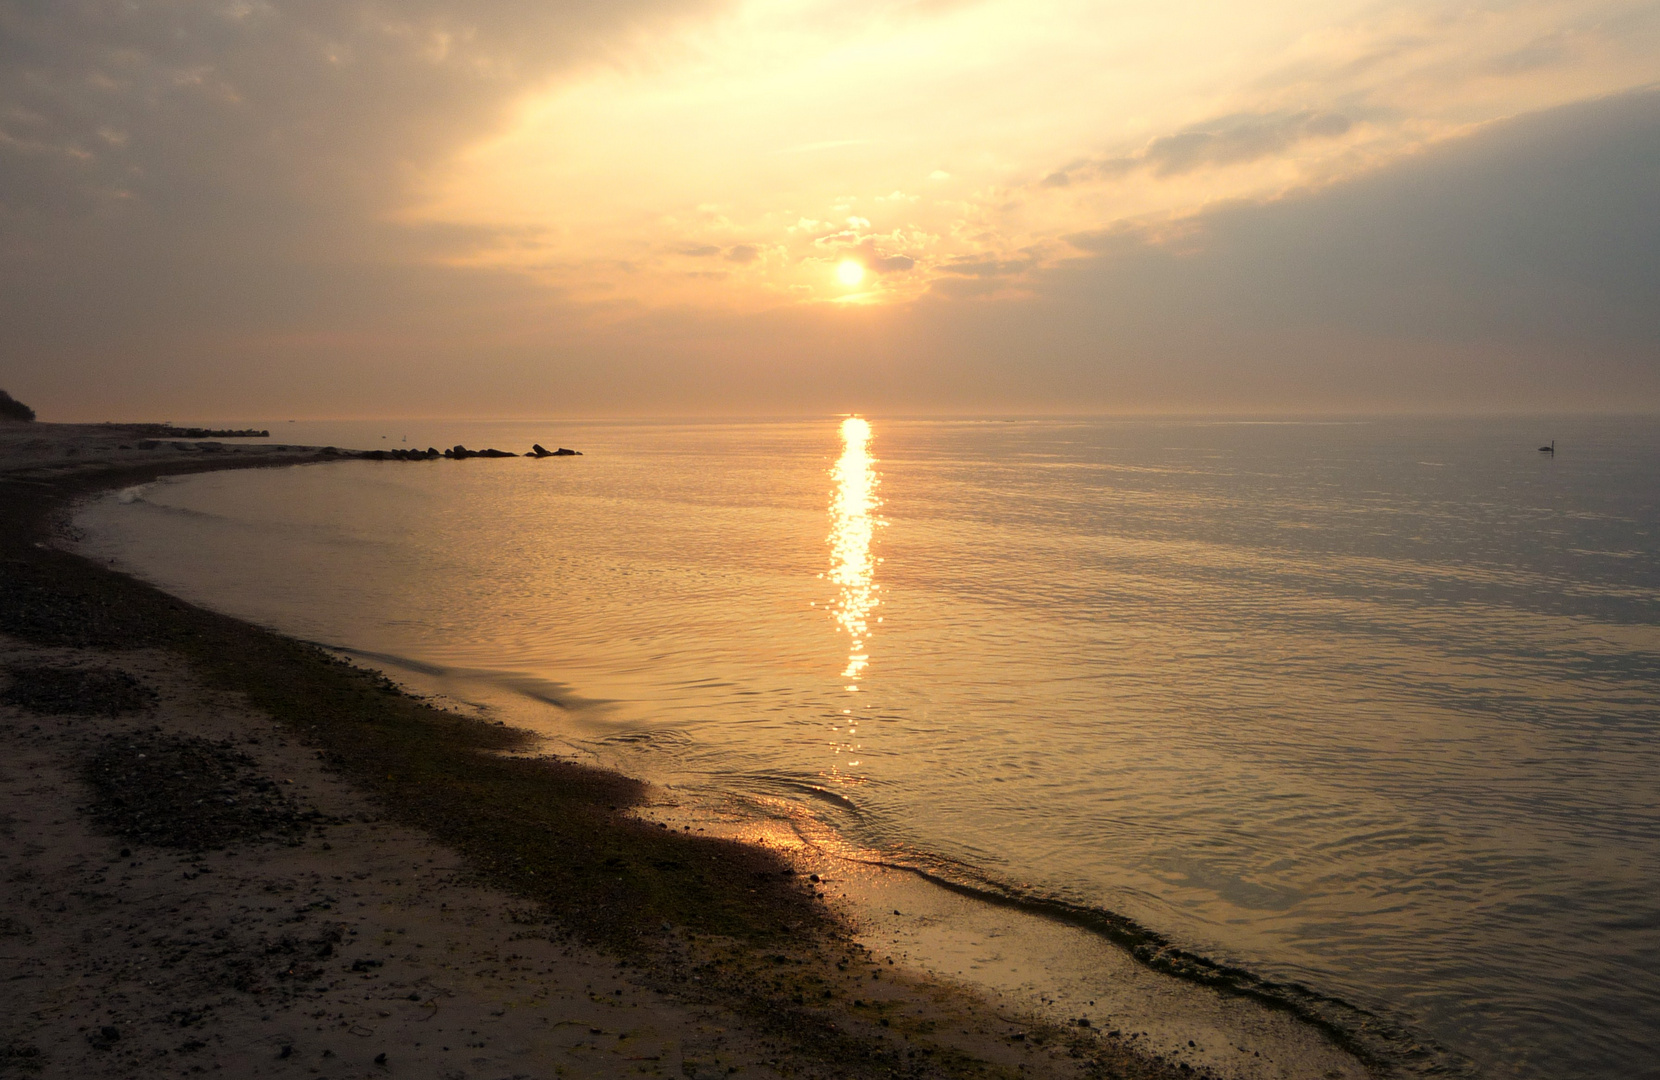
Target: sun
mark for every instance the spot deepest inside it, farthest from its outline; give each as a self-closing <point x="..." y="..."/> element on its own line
<point x="850" y="273"/>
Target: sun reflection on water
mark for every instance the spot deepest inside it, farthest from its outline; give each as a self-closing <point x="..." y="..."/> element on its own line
<point x="852" y="522"/>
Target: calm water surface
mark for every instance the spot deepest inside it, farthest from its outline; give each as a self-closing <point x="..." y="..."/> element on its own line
<point x="1374" y="707"/>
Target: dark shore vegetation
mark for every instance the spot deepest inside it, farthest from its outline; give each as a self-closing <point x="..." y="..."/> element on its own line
<point x="13" y="409"/>
<point x="708" y="920"/>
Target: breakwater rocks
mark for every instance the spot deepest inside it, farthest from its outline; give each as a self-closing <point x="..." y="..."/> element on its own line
<point x="168" y="431"/>
<point x="429" y="454"/>
<point x="460" y="453"/>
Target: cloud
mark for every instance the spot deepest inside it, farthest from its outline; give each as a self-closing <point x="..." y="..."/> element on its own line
<point x="184" y="184"/>
<point x="700" y="251"/>
<point x="743" y="253"/>
<point x="864" y="248"/>
<point x="1223" y="141"/>
<point x="1547" y="51"/>
<point x="965" y="288"/>
<point x="985" y="266"/>
<point x="1237" y="139"/>
<point x="196" y="112"/>
<point x="1513" y="268"/>
<point x="868" y="253"/>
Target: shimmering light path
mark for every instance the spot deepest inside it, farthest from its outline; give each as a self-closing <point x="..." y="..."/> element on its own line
<point x="852" y="524"/>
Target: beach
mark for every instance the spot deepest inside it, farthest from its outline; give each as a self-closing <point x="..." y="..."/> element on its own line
<point x="830" y="540"/>
<point x="396" y="879"/>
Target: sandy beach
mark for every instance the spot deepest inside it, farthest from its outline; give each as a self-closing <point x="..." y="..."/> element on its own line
<point x="230" y="852"/>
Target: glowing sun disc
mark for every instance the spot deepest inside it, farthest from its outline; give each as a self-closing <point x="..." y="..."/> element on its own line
<point x="850" y="272"/>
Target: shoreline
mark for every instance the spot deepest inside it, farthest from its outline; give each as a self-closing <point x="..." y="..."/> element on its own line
<point x="708" y="924"/>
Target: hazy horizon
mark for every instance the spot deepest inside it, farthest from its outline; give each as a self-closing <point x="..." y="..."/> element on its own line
<point x="1266" y="419"/>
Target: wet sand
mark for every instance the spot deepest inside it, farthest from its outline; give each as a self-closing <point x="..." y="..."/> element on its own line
<point x="465" y="914"/>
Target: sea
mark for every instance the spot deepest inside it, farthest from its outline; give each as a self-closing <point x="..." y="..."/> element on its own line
<point x="1368" y="707"/>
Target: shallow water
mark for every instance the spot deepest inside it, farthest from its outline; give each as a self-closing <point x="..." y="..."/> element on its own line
<point x="1374" y="707"/>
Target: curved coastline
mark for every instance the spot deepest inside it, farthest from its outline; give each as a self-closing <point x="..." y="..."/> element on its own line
<point x="727" y="935"/>
<point x="1383" y="1043"/>
<point x="1380" y="1042"/>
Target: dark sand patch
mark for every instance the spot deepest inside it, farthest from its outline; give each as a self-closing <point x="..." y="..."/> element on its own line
<point x="68" y="690"/>
<point x="184" y="791"/>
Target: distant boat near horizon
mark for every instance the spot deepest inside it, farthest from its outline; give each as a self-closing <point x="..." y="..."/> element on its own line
<point x="1551" y="449"/>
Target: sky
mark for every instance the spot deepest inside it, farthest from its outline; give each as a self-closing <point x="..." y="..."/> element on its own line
<point x="337" y="208"/>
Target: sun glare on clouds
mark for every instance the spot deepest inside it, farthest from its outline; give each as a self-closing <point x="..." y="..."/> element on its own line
<point x="710" y="166"/>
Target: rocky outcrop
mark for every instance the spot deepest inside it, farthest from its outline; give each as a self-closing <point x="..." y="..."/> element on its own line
<point x="540" y="451"/>
<point x="461" y="453"/>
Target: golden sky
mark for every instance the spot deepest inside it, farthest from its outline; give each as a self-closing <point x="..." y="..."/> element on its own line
<point x="518" y="207"/>
<point x="741" y="157"/>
